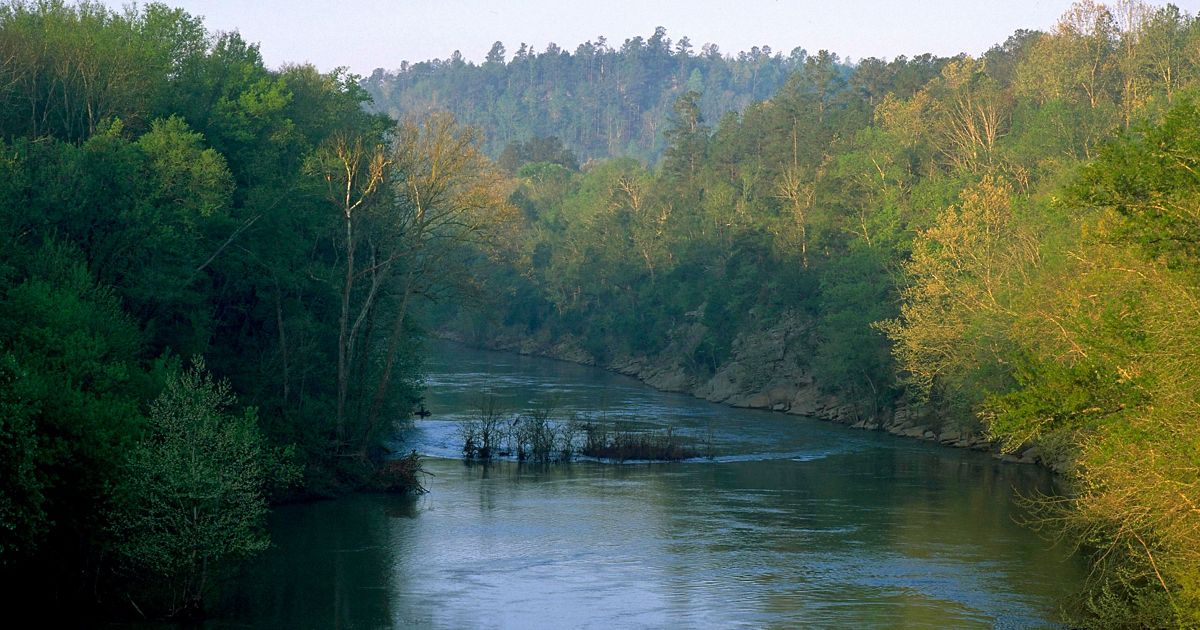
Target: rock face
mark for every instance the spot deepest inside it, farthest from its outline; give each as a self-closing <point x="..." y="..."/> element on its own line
<point x="765" y="370"/>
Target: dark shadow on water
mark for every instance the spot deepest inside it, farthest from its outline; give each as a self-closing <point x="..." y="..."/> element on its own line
<point x="330" y="566"/>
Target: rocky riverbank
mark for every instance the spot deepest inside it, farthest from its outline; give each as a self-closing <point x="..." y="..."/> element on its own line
<point x="765" y="370"/>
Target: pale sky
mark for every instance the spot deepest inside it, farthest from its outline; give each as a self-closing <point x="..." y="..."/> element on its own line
<point x="369" y="34"/>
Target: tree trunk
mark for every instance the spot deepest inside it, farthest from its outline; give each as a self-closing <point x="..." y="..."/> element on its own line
<point x="389" y="364"/>
<point x="283" y="349"/>
<point x="343" y="383"/>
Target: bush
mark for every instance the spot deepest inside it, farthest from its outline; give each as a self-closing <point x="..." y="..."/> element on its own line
<point x="626" y="445"/>
<point x="194" y="490"/>
<point x="401" y="475"/>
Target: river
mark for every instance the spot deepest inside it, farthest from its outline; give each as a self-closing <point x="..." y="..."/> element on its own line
<point x="791" y="522"/>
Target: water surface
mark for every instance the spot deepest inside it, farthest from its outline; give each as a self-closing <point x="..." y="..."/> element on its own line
<point x="792" y="522"/>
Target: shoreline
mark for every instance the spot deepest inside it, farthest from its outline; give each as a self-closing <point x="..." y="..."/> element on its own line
<point x="786" y="391"/>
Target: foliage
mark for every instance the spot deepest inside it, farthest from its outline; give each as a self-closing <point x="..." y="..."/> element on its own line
<point x="599" y="101"/>
<point x="193" y="490"/>
<point x="958" y="272"/>
<point x="70" y="387"/>
<point x="22" y="497"/>
<point x="161" y="195"/>
<point x="1065" y="321"/>
<point x="543" y="150"/>
<point x="1150" y="181"/>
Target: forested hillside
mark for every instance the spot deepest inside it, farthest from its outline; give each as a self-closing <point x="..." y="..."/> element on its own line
<point x="600" y="101"/>
<point x="207" y="275"/>
<point x="1003" y="245"/>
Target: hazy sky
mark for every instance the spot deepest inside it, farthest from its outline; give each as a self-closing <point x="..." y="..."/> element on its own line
<point x="368" y="34"/>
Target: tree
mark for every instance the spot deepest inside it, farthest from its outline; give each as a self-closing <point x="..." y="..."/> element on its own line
<point x="69" y="391"/>
<point x="1150" y="181"/>
<point x="1074" y="75"/>
<point x="22" y="484"/>
<point x="852" y="358"/>
<point x="549" y="150"/>
<point x="154" y="201"/>
<point x="444" y="194"/>
<point x="687" y="138"/>
<point x="1106" y="378"/>
<point x="951" y="319"/>
<point x="68" y="71"/>
<point x="1089" y="34"/>
<point x="496" y="54"/>
<point x="602" y="102"/>
<point x="1162" y="43"/>
<point x="353" y="172"/>
<point x="796" y="190"/>
<point x="972" y="115"/>
<point x="1130" y="18"/>
<point x="193" y="492"/>
<point x="1102" y="350"/>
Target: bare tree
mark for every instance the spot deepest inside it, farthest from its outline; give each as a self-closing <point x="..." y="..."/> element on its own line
<point x="353" y="173"/>
<point x="444" y="197"/>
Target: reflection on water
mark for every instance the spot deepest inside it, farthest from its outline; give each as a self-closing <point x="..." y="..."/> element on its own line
<point x="794" y="523"/>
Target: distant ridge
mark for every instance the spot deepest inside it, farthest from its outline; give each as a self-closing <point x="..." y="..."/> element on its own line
<point x="599" y="100"/>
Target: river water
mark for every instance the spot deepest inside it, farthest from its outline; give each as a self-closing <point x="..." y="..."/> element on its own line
<point x="791" y="522"/>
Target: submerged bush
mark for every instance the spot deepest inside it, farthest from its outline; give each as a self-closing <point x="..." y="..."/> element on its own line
<point x="401" y="475"/>
<point x="624" y="445"/>
<point x="537" y="437"/>
<point x="482" y="434"/>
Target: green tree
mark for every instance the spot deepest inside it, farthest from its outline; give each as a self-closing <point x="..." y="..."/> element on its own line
<point x="951" y="329"/>
<point x="70" y="386"/>
<point x="1150" y="181"/>
<point x="23" y="485"/>
<point x="687" y="138"/>
<point x="193" y="490"/>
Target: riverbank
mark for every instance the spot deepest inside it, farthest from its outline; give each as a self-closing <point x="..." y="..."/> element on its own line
<point x="764" y="371"/>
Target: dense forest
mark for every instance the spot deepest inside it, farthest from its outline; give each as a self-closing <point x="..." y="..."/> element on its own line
<point x="599" y="101"/>
<point x="207" y="276"/>
<point x="1005" y="244"/>
<point x="199" y="254"/>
